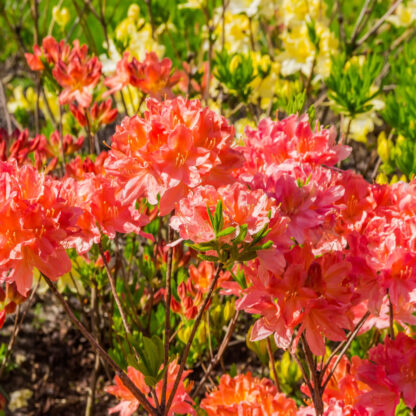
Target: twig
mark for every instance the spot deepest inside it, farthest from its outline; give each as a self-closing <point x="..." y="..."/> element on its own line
<point x="191" y="337"/>
<point x="114" y="291"/>
<point x="302" y="370"/>
<point x="89" y="407"/>
<point x="272" y="362"/>
<point x="317" y="391"/>
<point x="344" y="350"/>
<point x="17" y="329"/>
<point x="12" y="340"/>
<point x="168" y="289"/>
<point x="89" y="132"/>
<point x="221" y="350"/>
<point x="364" y="10"/>
<point x="98" y="348"/>
<point x="3" y="102"/>
<point x="340" y="21"/>
<point x="391" y="319"/>
<point x="152" y="23"/>
<point x="382" y="19"/>
<point x="61" y="140"/>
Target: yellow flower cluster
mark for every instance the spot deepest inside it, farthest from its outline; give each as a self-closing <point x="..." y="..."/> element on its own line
<point x="136" y="35"/>
<point x="299" y="53"/>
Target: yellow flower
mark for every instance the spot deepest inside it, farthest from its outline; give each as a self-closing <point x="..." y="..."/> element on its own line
<point x="237" y="32"/>
<point x="20" y="100"/>
<point x="264" y="87"/>
<point x="404" y="15"/>
<point x="382" y="179"/>
<point x="61" y="16"/>
<point x="383" y="147"/>
<point x="142" y="42"/>
<point x="299" y="52"/>
<point x="134" y="12"/>
<point x="293" y="11"/>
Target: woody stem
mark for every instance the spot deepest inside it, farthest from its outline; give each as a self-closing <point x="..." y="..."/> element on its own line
<point x="98" y="348"/>
<point x="191" y="337"/>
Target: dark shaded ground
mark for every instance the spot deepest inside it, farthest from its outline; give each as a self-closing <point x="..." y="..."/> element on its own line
<point x="56" y="363"/>
<point x="56" y="366"/>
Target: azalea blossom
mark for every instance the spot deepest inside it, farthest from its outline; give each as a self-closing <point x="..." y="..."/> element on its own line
<point x="177" y="146"/>
<point x="312" y="295"/>
<point x="78" y="76"/>
<point x="152" y="76"/>
<point x="248" y="396"/>
<point x="240" y="207"/>
<point x="390" y="374"/>
<point x="51" y="52"/>
<point x="181" y="404"/>
<point x="102" y="211"/>
<point x="37" y="223"/>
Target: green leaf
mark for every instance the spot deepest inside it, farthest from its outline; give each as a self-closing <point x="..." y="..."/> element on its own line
<point x="226" y="231"/>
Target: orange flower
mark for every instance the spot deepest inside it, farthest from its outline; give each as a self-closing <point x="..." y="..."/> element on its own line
<point x="176" y="146"/>
<point x="35" y="227"/>
<point x="182" y="403"/>
<point x="247" y="396"/>
<point x="78" y="76"/>
<point x="152" y="76"/>
<point x="100" y="114"/>
<point x="51" y="52"/>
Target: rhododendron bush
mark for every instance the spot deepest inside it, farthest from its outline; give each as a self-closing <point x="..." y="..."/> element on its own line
<point x="208" y="207"/>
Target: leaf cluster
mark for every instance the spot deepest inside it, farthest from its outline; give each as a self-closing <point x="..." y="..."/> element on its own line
<point x="237" y="250"/>
<point x="350" y="84"/>
<point x="236" y="72"/>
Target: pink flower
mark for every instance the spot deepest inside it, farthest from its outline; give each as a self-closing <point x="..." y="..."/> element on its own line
<point x="182" y="403"/>
<point x="240" y="206"/>
<point x="174" y="148"/>
<point x="78" y="76"/>
<point x="247" y="396"/>
<point x="291" y="139"/>
<point x="122" y="76"/>
<point x="390" y="372"/>
<point x="103" y="211"/>
<point x="37" y="223"/>
<point x="152" y="76"/>
<point x="313" y="295"/>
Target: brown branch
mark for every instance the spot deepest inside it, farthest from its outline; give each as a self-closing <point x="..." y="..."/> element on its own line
<point x="114" y="291"/>
<point x="98" y="348"/>
<point x="271" y="358"/>
<point x="220" y="352"/>
<point x="379" y="23"/>
<point x="316" y="392"/>
<point x="168" y="290"/>
<point x="346" y="345"/>
<point x="191" y="337"/>
<point x="363" y="12"/>
<point x="16" y="328"/>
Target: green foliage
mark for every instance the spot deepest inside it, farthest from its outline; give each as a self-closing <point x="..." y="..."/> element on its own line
<point x="363" y="343"/>
<point x="313" y="35"/>
<point x="350" y="84"/>
<point x="402" y="410"/>
<point x="288" y="373"/>
<point x="293" y="103"/>
<point x="151" y="354"/>
<point x="10" y="364"/>
<point x="236" y="72"/>
<point x="400" y="111"/>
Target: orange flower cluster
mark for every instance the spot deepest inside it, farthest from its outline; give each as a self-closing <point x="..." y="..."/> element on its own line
<point x="152" y="76"/>
<point x="245" y="395"/>
<point x="182" y="403"/>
